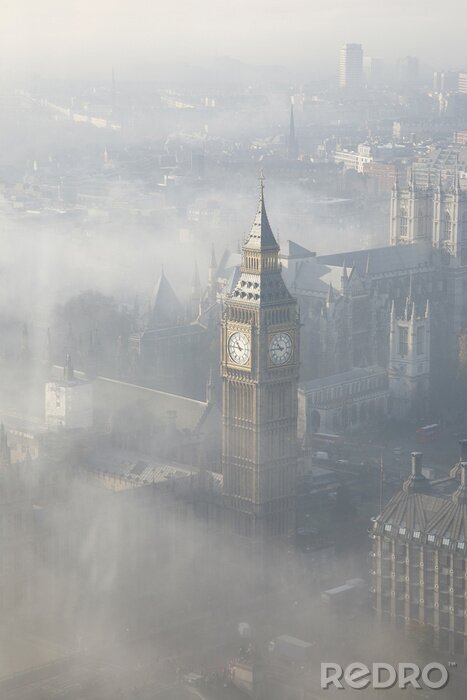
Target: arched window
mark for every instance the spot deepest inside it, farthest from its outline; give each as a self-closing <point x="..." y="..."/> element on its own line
<point x="404" y="224"/>
<point x="447" y="228"/>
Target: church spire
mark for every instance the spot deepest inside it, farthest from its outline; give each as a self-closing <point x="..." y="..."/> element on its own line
<point x="260" y="262"/>
<point x="261" y="238"/>
<point x="292" y="145"/>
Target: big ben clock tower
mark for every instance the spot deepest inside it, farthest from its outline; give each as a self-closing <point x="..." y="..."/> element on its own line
<point x="260" y="328"/>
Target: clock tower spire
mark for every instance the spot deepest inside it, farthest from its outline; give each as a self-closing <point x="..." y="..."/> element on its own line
<point x="260" y="329"/>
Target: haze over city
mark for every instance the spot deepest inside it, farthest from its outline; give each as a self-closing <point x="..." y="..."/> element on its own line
<point x="83" y="39"/>
<point x="233" y="349"/>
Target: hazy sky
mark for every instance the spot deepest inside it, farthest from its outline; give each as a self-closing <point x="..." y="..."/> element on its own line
<point x="90" y="35"/>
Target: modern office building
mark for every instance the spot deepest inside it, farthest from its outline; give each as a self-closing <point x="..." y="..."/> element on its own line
<point x="351" y="67"/>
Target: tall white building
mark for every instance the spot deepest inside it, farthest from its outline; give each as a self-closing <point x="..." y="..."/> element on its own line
<point x="351" y="67"/>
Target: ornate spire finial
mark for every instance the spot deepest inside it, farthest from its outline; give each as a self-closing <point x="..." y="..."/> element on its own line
<point x="261" y="237"/>
<point x="261" y="184"/>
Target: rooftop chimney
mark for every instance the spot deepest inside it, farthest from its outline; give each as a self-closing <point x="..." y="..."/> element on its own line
<point x="417" y="463"/>
<point x="460" y="495"/>
<point x="463" y="450"/>
<point x="416" y="483"/>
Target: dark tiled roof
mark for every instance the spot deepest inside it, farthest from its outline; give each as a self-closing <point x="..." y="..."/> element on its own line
<point x="434" y="513"/>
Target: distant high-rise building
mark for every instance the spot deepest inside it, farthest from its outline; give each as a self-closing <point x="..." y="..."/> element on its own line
<point x="373" y="69"/>
<point x="462" y="83"/>
<point x="408" y="70"/>
<point x="445" y="81"/>
<point x="351" y="67"/>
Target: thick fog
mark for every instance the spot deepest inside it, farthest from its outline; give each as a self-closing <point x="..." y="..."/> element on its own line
<point x="144" y="38"/>
<point x="138" y="142"/>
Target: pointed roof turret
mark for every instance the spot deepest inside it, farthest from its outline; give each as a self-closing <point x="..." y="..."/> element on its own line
<point x="409" y="302"/>
<point x="165" y="306"/>
<point x="440" y="181"/>
<point x="260" y="280"/>
<point x="427" y="309"/>
<point x="261" y="237"/>
<point x="330" y="294"/>
<point x="456" y="183"/>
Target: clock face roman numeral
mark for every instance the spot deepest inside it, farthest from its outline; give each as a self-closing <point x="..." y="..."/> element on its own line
<point x="238" y="347"/>
<point x="280" y="348"/>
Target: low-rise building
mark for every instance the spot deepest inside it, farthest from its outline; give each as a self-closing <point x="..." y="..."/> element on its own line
<point x="345" y="400"/>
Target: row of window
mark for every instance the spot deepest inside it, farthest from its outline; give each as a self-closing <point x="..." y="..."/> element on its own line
<point x="404" y="341"/>
<point x="431" y="538"/>
<point x="422" y="222"/>
<point x="362" y="386"/>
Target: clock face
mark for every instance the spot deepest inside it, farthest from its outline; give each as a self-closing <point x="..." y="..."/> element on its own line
<point x="280" y="348"/>
<point x="239" y="348"/>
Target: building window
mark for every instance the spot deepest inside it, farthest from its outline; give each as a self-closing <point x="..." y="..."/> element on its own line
<point x="403" y="341"/>
<point x="420" y="340"/>
<point x="447" y="230"/>
<point x="404" y="223"/>
<point x="446" y="541"/>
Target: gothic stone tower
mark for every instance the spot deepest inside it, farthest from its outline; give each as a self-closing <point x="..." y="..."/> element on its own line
<point x="437" y="214"/>
<point x="260" y="340"/>
<point x="434" y="214"/>
<point x="409" y="362"/>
